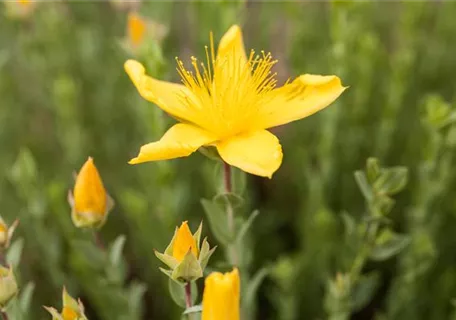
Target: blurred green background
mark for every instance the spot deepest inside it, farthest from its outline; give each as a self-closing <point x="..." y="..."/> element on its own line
<point x="65" y="96"/>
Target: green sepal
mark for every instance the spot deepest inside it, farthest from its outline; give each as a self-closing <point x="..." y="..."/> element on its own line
<point x="188" y="270"/>
<point x="197" y="236"/>
<point x="169" y="248"/>
<point x="170" y="261"/>
<point x="169" y="273"/>
<point x="205" y="254"/>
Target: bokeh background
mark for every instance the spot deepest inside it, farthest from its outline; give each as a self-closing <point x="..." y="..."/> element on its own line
<point x="64" y="96"/>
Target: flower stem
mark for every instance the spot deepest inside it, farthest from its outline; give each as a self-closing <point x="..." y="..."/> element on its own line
<point x="4" y="315"/>
<point x="188" y="298"/>
<point x="98" y="241"/>
<point x="232" y="251"/>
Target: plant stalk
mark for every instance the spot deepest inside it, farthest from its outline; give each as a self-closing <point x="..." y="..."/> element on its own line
<point x="232" y="251"/>
<point x="188" y="297"/>
<point x="4" y="315"/>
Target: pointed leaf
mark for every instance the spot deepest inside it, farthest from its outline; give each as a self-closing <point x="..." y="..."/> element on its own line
<point x="115" y="251"/>
<point x="363" y="185"/>
<point x="364" y="290"/>
<point x="389" y="244"/>
<point x="14" y="254"/>
<point x="246" y="226"/>
<point x="217" y="219"/>
<point x="391" y="180"/>
<point x="177" y="292"/>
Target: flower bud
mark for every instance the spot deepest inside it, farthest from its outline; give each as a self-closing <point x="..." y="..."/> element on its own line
<point x="72" y="309"/>
<point x="8" y="286"/>
<point x="89" y="201"/>
<point x="6" y="233"/>
<point x="221" y="296"/>
<point x="20" y="9"/>
<point x="184" y="255"/>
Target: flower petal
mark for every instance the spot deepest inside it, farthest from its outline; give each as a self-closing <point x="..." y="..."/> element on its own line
<point x="256" y="152"/>
<point x="168" y="96"/>
<point x="179" y="141"/>
<point x="303" y="97"/>
<point x="232" y="43"/>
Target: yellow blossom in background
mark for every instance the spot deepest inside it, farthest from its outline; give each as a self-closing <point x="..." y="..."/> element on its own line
<point x="8" y="286"/>
<point x="221" y="296"/>
<point x="20" y="8"/>
<point x="6" y="233"/>
<point x="185" y="255"/>
<point x="140" y="30"/>
<point x="229" y="103"/>
<point x="72" y="309"/>
<point x="136" y="28"/>
<point x="89" y="201"/>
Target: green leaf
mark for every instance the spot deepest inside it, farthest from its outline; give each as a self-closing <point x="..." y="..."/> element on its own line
<point x="349" y="223"/>
<point x="363" y="185"/>
<point x="135" y="294"/>
<point x="372" y="169"/>
<point x="177" y="292"/>
<point x="14" y="254"/>
<point x="115" y="251"/>
<point x="225" y="199"/>
<point x="254" y="285"/>
<point x="246" y="226"/>
<point x="388" y="244"/>
<point x="25" y="298"/>
<point x="92" y="254"/>
<point x="391" y="180"/>
<point x="364" y="290"/>
<point x="217" y="219"/>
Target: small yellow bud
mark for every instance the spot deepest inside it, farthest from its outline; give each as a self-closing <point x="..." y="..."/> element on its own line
<point x="8" y="285"/>
<point x="72" y="309"/>
<point x="185" y="255"/>
<point x="90" y="203"/>
<point x="221" y="296"/>
<point x="6" y="233"/>
<point x="136" y="29"/>
<point x="184" y="242"/>
<point x="20" y="8"/>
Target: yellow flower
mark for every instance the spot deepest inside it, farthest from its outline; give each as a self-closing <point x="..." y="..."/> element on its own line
<point x="185" y="255"/>
<point x="6" y="233"/>
<point x="72" y="309"/>
<point x="184" y="242"/>
<point x="136" y="28"/>
<point x="89" y="201"/>
<point x="221" y="296"/>
<point x="229" y="104"/>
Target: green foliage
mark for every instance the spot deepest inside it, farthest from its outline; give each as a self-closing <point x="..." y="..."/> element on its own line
<point x="319" y="247"/>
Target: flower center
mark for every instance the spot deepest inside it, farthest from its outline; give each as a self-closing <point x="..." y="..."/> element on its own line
<point x="227" y="92"/>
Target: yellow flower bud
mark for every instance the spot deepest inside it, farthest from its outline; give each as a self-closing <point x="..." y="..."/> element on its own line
<point x="72" y="309"/>
<point x="136" y="29"/>
<point x="221" y="296"/>
<point x="8" y="285"/>
<point x="20" y="8"/>
<point x="185" y="256"/>
<point x="90" y="203"/>
<point x="184" y="242"/>
<point x="6" y="233"/>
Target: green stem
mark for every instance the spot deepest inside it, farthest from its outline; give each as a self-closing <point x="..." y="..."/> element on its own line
<point x="4" y="315"/>
<point x="188" y="297"/>
<point x="232" y="251"/>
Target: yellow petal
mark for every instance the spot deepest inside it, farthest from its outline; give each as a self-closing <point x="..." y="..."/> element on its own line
<point x="170" y="97"/>
<point x="221" y="296"/>
<point x="256" y="152"/>
<point x="89" y="192"/>
<point x="303" y="97"/>
<point x="184" y="242"/>
<point x="233" y="44"/>
<point x="180" y="140"/>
